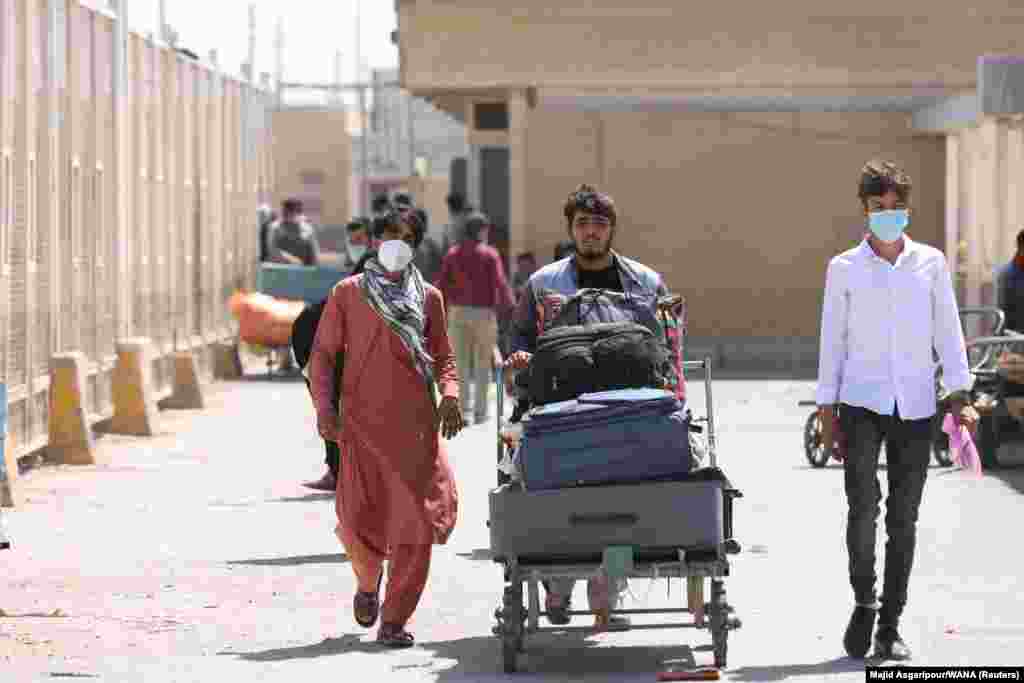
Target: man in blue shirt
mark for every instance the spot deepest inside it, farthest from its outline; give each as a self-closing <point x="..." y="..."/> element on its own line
<point x="888" y="307"/>
<point x="1011" y="288"/>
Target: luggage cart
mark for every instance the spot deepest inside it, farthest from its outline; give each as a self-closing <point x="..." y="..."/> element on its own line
<point x="530" y="556"/>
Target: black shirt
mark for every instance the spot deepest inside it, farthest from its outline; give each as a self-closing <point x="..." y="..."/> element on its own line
<point x="607" y="278"/>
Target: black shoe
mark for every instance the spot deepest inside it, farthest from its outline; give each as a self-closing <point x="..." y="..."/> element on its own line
<point x="889" y="645"/>
<point x="857" y="640"/>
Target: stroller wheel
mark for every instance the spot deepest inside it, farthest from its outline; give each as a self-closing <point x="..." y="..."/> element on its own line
<point x="814" y="450"/>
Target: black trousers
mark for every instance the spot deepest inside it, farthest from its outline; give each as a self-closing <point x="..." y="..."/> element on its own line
<point x="333" y="458"/>
<point x="908" y="450"/>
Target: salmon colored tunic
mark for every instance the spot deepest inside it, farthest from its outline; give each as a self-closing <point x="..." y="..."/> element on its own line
<point x="395" y="485"/>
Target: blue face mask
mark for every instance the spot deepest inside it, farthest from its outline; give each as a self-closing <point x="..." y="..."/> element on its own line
<point x="888" y="226"/>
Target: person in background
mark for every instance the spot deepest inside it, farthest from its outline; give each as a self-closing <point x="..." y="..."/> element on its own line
<point x="403" y="201"/>
<point x="476" y="292"/>
<point x="1010" y="288"/>
<point x="591" y="220"/>
<point x="303" y="333"/>
<point x="358" y="242"/>
<point x="293" y="238"/>
<point x="888" y="308"/>
<point x="429" y="254"/>
<point x="396" y="490"/>
<point x="526" y="266"/>
<point x="266" y="217"/>
<point x="380" y="206"/>
<point x="458" y="209"/>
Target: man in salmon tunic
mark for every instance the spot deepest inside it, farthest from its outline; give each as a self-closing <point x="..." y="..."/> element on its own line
<point x="396" y="494"/>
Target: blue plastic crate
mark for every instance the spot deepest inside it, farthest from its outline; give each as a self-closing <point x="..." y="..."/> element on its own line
<point x="297" y="283"/>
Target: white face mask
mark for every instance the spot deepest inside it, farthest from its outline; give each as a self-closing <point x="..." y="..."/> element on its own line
<point x="395" y="255"/>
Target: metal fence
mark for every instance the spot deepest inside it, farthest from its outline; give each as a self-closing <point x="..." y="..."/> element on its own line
<point x="126" y="209"/>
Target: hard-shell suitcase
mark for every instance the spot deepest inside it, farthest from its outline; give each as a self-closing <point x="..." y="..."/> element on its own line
<point x="615" y="437"/>
<point x="570" y="524"/>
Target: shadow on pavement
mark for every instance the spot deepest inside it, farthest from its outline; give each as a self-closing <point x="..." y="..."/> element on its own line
<point x="308" y="498"/>
<point x="336" y="558"/>
<point x="478" y="555"/>
<point x="785" y="671"/>
<point x="479" y="658"/>
<point x="1014" y="478"/>
<point x="263" y="377"/>
<point x="327" y="648"/>
<point x="572" y="655"/>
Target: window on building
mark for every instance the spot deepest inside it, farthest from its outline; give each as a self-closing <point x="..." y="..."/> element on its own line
<point x="490" y="116"/>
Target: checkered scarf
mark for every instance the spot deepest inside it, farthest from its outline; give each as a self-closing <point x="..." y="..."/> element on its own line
<point x="402" y="305"/>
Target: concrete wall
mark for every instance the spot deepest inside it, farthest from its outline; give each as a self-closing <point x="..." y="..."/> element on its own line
<point x="313" y="151"/>
<point x="124" y="212"/>
<point x="740" y="213"/>
<point x="985" y="206"/>
<point x="451" y="44"/>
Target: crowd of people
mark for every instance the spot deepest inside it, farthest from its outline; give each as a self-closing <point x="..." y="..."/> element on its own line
<point x="422" y="319"/>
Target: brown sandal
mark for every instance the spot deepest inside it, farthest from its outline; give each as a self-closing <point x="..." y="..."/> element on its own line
<point x="395" y="636"/>
<point x="366" y="606"/>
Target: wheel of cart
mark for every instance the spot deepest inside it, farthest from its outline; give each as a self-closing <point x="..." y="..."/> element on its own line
<point x="520" y="611"/>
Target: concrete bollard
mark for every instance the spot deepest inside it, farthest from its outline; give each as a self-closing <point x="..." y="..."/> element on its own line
<point x="188" y="391"/>
<point x="71" y="440"/>
<point x="227" y="363"/>
<point x="135" y="409"/>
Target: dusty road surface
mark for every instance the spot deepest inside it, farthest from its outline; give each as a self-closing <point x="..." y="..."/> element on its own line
<point x="198" y="556"/>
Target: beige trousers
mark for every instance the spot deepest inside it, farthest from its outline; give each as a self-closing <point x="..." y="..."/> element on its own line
<point x="474" y="333"/>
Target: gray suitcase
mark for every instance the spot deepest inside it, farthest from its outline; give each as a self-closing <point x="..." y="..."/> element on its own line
<point x="567" y="523"/>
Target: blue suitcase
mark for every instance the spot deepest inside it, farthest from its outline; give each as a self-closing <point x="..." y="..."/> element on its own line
<point x="613" y="437"/>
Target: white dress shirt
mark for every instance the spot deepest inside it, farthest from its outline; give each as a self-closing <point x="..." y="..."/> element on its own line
<point x="879" y="326"/>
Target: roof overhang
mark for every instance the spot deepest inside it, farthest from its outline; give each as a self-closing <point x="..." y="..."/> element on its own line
<point x="749" y="100"/>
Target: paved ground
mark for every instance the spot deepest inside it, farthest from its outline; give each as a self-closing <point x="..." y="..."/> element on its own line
<point x="197" y="556"/>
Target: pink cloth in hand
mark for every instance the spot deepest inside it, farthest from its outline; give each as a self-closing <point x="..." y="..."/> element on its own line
<point x="961" y="445"/>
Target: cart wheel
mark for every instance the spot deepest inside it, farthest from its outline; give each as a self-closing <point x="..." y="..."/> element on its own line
<point x="940" y="443"/>
<point x="513" y="619"/>
<point x="719" y="623"/>
<point x="814" y="450"/>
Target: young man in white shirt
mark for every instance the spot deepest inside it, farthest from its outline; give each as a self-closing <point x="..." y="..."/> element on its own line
<point x="889" y="305"/>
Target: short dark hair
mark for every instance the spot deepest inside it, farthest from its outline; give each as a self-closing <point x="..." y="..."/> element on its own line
<point x="291" y="205"/>
<point x="380" y="203"/>
<point x="456" y="202"/>
<point x="587" y="198"/>
<point x="879" y="177"/>
<point x="1020" y="240"/>
<point x="395" y="217"/>
<point x="424" y="217"/>
<point x="474" y="224"/>
<point x="403" y="199"/>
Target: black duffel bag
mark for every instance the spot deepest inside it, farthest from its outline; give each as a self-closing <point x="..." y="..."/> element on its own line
<point x="581" y="359"/>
